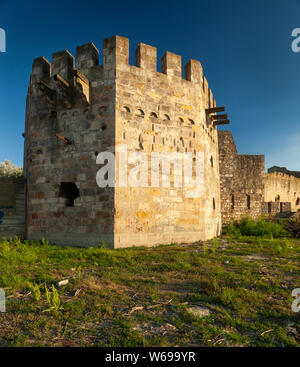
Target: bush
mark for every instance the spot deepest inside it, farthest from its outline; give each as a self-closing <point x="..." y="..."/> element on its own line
<point x="260" y="227"/>
<point x="232" y="230"/>
<point x="8" y="169"/>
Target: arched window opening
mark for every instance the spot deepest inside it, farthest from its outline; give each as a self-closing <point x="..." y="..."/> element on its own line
<point x="69" y="191"/>
<point x="277" y="198"/>
<point x="153" y="114"/>
<point x="298" y="202"/>
<point x="212" y="161"/>
<point x="126" y="109"/>
<point x="140" y="112"/>
<point x="214" y="204"/>
<point x="191" y="122"/>
<point x="180" y="119"/>
<point x="166" y="117"/>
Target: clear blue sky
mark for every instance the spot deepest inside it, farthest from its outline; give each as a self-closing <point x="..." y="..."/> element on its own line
<point x="243" y="45"/>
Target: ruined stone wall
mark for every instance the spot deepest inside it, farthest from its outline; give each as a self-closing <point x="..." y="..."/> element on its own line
<point x="241" y="180"/>
<point x="164" y="112"/>
<point x="284" y="170"/>
<point x="12" y="207"/>
<point x="282" y="187"/>
<point x="73" y="114"/>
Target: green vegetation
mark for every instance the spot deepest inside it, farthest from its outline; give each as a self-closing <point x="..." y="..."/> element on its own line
<point x="142" y="296"/>
<point x="260" y="227"/>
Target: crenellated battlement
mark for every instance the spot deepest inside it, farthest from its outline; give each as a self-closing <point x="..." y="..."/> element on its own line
<point x="87" y="56"/>
<point x="115" y="56"/>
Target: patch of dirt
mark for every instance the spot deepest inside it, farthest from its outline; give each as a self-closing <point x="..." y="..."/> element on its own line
<point x="251" y="257"/>
<point x="149" y="329"/>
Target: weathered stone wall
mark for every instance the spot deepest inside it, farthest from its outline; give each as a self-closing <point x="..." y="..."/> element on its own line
<point x="284" y="170"/>
<point x="282" y="187"/>
<point x="162" y="112"/>
<point x="241" y="180"/>
<point x="68" y="122"/>
<point x="72" y="115"/>
<point x="12" y="207"/>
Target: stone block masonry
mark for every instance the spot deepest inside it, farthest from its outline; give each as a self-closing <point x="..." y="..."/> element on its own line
<point x="75" y="112"/>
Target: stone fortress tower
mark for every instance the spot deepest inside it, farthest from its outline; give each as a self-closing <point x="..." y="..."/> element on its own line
<point x="74" y="113"/>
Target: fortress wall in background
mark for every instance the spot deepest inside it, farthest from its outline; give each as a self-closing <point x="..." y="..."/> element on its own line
<point x="282" y="187"/>
<point x="12" y="207"/>
<point x="242" y="181"/>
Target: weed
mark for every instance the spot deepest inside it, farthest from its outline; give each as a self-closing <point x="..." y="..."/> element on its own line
<point x="53" y="300"/>
<point x="35" y="290"/>
<point x="227" y="296"/>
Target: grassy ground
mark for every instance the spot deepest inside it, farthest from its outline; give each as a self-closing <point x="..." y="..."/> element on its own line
<point x="142" y="297"/>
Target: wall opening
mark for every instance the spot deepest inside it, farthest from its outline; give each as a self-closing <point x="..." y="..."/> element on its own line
<point x="277" y="198"/>
<point x="126" y="109"/>
<point x="140" y="112"/>
<point x="212" y="161"/>
<point x="232" y="201"/>
<point x="69" y="191"/>
<point x="248" y="202"/>
<point x="281" y="207"/>
<point x="214" y="203"/>
<point x="269" y="207"/>
<point x="298" y="202"/>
